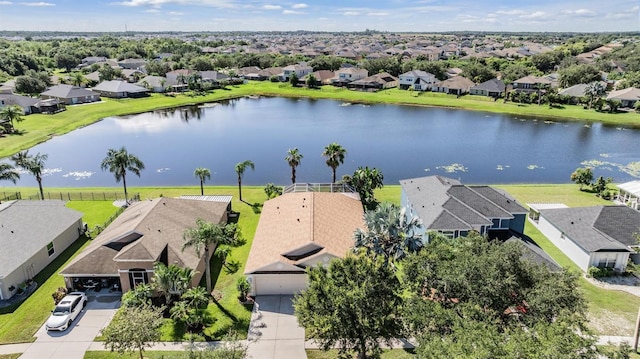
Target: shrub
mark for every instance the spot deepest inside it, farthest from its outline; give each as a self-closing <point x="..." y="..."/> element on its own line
<point x="596" y="272"/>
<point x="59" y="294"/>
<point x="244" y="287"/>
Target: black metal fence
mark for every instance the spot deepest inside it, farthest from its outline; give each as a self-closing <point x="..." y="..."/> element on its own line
<point x="68" y="196"/>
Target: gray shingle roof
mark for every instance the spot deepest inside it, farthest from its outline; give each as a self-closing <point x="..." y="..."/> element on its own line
<point x="117" y="86"/>
<point x="578" y="225"/>
<point x="22" y="101"/>
<point x="501" y="198"/>
<point x="619" y="223"/>
<point x="533" y="252"/>
<point x="493" y="85"/>
<point x="68" y="91"/>
<point x="479" y="203"/>
<point x="26" y="227"/>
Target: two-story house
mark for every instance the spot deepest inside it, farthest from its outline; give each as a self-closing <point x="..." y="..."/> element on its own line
<point x="300" y="70"/>
<point x="446" y="206"/>
<point x="417" y="80"/>
<point x="347" y="75"/>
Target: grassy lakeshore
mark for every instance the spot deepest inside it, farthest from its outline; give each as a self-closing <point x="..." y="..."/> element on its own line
<point x="39" y="128"/>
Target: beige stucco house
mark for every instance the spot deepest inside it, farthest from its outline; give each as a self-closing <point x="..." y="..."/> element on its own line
<point x="32" y="235"/>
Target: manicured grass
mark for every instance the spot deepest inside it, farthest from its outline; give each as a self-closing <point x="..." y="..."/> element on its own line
<point x="605" y="306"/>
<point x="38" y="128"/>
<point x="387" y="354"/>
<point x="169" y="354"/>
<point x="10" y="356"/>
<point x="94" y="212"/>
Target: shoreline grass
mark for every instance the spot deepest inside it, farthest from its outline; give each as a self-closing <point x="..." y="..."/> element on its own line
<point x="38" y="128"/>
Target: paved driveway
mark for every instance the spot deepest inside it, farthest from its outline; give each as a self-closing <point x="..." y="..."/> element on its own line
<point x="274" y="332"/>
<point x="73" y="342"/>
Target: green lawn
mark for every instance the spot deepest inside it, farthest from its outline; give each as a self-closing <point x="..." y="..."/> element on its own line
<point x="388" y="354"/>
<point x="38" y="128"/>
<point x="10" y="356"/>
<point x="147" y="354"/>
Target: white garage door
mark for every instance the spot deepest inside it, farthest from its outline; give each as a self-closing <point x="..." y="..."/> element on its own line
<point x="269" y="284"/>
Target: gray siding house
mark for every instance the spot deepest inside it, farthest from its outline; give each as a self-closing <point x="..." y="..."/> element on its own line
<point x="446" y="206"/>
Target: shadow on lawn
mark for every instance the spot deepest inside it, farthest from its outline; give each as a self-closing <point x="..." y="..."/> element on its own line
<point x="256" y="207"/>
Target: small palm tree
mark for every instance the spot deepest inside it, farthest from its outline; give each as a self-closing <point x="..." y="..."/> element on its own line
<point x="293" y="159"/>
<point x="203" y="174"/>
<point x="12" y="113"/>
<point x="335" y="156"/>
<point x="240" y="168"/>
<point x="32" y="164"/>
<point x="119" y="162"/>
<point x="77" y="79"/>
<point x="8" y="173"/>
<point x="206" y="235"/>
<point x="196" y="297"/>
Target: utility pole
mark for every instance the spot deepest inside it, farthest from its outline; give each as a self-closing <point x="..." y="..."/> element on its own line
<point x="636" y="333"/>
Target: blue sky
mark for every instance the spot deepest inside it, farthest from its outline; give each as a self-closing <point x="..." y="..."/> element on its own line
<point x="320" y="15"/>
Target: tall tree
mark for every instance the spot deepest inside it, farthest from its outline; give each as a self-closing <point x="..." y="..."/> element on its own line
<point x="32" y="164"/>
<point x="389" y="233"/>
<point x="582" y="176"/>
<point x="353" y="304"/>
<point x="293" y="159"/>
<point x="11" y="113"/>
<point x="593" y="91"/>
<point x="240" y="168"/>
<point x="365" y="181"/>
<point x="8" y="173"/>
<point x="119" y="162"/>
<point x="203" y="174"/>
<point x="206" y="235"/>
<point x="77" y="79"/>
<point x="334" y="153"/>
<point x="133" y="329"/>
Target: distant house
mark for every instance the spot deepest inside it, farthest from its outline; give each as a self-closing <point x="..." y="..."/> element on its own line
<point x="453" y="72"/>
<point x="300" y="70"/>
<point x="27" y="104"/>
<point x="263" y="75"/>
<point x="247" y="70"/>
<point x="146" y="232"/>
<point x="90" y="60"/>
<point x="156" y="84"/>
<point x="346" y="75"/>
<point x="628" y="97"/>
<point x="418" y="80"/>
<point x="574" y="93"/>
<point x="446" y="206"/>
<point x="299" y="230"/>
<point x="457" y="85"/>
<point x="376" y="82"/>
<point x="213" y="76"/>
<point x="132" y="64"/>
<point x="323" y="76"/>
<point x="32" y="235"/>
<point x="132" y="75"/>
<point x="598" y="236"/>
<point x="492" y="88"/>
<point x="70" y="95"/>
<point x="120" y="89"/>
<point x="531" y="84"/>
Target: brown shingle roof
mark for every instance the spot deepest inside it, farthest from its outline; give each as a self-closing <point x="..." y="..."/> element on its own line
<point x="156" y="225"/>
<point x="308" y="220"/>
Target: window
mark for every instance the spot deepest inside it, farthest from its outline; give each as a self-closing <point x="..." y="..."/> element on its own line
<point x="50" y="249"/>
<point x="607" y="260"/>
<point x="138" y="276"/>
<point x="448" y="234"/>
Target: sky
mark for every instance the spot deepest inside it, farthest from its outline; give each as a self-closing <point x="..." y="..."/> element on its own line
<point x="321" y="15"/>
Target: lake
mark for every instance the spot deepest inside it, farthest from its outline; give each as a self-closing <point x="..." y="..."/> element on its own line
<point x="401" y="141"/>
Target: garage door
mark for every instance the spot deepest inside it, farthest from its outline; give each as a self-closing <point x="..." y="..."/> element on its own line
<point x="270" y="284"/>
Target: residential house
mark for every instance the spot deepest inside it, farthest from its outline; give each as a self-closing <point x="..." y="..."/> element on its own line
<point x="248" y="70"/>
<point x="300" y="229"/>
<point x="458" y="85"/>
<point x="70" y="95"/>
<point x="376" y="82"/>
<point x="628" y="97"/>
<point x="27" y="104"/>
<point x="446" y="206"/>
<point x="492" y="88"/>
<point x="120" y="89"/>
<point x="124" y="254"/>
<point x="213" y="76"/>
<point x="531" y="84"/>
<point x="156" y="84"/>
<point x="629" y="194"/>
<point x="90" y="60"/>
<point x="574" y="93"/>
<point x="418" y="80"/>
<point x="300" y="70"/>
<point x="32" y="235"/>
<point x="131" y="75"/>
<point x="453" y="72"/>
<point x="345" y="75"/>
<point x="265" y="74"/>
<point x="132" y="64"/>
<point x="598" y="236"/>
<point x="323" y="76"/>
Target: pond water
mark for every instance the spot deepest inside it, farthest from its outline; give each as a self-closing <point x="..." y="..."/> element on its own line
<point x="401" y="141"/>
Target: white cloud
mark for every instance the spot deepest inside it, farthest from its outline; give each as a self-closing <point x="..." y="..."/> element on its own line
<point x="377" y="14"/>
<point x="41" y="3"/>
<point x="5" y="3"/>
<point x="510" y="12"/>
<point x="350" y="13"/>
<point x="159" y="3"/>
<point x="152" y="11"/>
<point x="299" y="6"/>
<point x="291" y="12"/>
<point x="176" y="13"/>
<point x="581" y="13"/>
<point x="272" y="7"/>
<point x="534" y="15"/>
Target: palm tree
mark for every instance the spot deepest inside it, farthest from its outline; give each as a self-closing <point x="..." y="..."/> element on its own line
<point x="10" y="114"/>
<point x="240" y="168"/>
<point x="594" y="91"/>
<point x="293" y="159"/>
<point x="196" y="297"/>
<point x="32" y="164"/>
<point x="335" y="156"/>
<point x="77" y="79"/>
<point x="206" y="235"/>
<point x="203" y="174"/>
<point x="8" y="173"/>
<point x="119" y="162"/>
<point x="164" y="279"/>
<point x="389" y="233"/>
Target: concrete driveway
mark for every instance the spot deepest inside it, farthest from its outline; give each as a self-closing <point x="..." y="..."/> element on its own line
<point x="274" y="332"/>
<point x="73" y="342"/>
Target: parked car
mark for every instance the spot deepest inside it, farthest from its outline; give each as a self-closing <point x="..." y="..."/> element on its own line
<point x="66" y="311"/>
